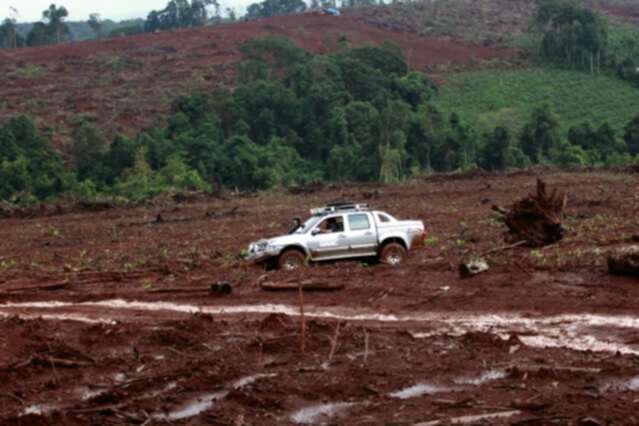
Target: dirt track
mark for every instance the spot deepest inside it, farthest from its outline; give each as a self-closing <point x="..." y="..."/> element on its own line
<point x="96" y="326"/>
<point x="127" y="84"/>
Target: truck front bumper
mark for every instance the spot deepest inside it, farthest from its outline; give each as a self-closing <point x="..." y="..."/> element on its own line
<point x="259" y="252"/>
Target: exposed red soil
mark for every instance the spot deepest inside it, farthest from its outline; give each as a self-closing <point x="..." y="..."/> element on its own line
<point x="126" y="84"/>
<point x="150" y="361"/>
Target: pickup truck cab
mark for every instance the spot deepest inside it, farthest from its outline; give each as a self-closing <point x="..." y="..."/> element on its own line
<point x="341" y="231"/>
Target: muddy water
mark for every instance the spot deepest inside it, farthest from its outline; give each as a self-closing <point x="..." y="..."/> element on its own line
<point x="582" y="332"/>
<point x="473" y="419"/>
<point x="485" y="377"/>
<point x="418" y="390"/>
<point x="319" y="412"/>
<point x="201" y="403"/>
<point x="192" y="407"/>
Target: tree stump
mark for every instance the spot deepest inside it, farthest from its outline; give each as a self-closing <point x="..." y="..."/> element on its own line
<point x="624" y="261"/>
<point x="537" y="218"/>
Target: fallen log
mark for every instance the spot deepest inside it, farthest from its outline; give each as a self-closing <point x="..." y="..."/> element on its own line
<point x="46" y="287"/>
<point x="304" y="285"/>
<point x="536" y="219"/>
<point x="624" y="261"/>
<point x="219" y="287"/>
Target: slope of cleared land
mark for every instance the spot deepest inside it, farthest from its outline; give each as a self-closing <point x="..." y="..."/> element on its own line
<point x="106" y="317"/>
<point x="484" y="22"/>
<point x="126" y="84"/>
<point x="506" y="98"/>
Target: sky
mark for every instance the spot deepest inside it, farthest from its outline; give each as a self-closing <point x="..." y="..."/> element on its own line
<point x="79" y="10"/>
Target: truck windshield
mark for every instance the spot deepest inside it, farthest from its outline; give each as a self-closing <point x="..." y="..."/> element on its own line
<point x="310" y="222"/>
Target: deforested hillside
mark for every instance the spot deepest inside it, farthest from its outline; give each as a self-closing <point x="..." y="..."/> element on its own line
<point x="127" y="83"/>
<point x="485" y="22"/>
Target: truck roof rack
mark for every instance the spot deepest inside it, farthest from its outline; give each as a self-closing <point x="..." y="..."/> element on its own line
<point x="338" y="206"/>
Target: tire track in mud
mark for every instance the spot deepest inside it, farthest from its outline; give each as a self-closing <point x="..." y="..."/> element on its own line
<point x="580" y="332"/>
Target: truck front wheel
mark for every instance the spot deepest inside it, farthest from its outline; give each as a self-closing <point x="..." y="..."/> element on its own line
<point x="291" y="260"/>
<point x="392" y="254"/>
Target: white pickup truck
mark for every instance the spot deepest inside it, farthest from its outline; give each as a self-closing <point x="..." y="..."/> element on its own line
<point x="341" y="231"/>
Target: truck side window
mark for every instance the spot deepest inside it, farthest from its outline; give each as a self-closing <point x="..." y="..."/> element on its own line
<point x="358" y="222"/>
<point x="332" y="224"/>
<point x="383" y="218"/>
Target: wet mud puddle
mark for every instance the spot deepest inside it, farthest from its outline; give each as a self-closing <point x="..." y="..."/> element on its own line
<point x="581" y="332"/>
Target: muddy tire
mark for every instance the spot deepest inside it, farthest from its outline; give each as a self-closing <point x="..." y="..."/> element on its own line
<point x="291" y="260"/>
<point x="392" y="254"/>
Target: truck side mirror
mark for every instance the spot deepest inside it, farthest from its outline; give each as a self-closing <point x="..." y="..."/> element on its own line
<point x="315" y="231"/>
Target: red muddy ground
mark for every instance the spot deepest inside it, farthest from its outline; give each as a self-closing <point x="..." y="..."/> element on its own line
<point x="127" y="84"/>
<point x="546" y="336"/>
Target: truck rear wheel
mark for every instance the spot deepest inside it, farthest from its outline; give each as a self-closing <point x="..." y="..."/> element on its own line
<point x="392" y="254"/>
<point x="291" y="260"/>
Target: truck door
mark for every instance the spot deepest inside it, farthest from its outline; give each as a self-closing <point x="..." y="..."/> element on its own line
<point x="328" y="239"/>
<point x="362" y="237"/>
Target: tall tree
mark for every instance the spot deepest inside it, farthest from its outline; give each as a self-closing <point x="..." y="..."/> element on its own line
<point x="55" y="16"/>
<point x="541" y="134"/>
<point x="181" y="14"/>
<point x="574" y="36"/>
<point x="39" y="35"/>
<point x="495" y="149"/>
<point x="268" y="8"/>
<point x="95" y="23"/>
<point x="631" y="136"/>
<point x="8" y="34"/>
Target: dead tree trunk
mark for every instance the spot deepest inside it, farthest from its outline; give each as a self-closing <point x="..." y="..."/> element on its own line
<point x="537" y="218"/>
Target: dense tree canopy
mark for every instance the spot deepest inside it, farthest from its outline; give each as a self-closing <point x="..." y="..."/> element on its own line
<point x="9" y="37"/>
<point x="354" y="115"/>
<point x="180" y="14"/>
<point x="573" y="35"/>
<point x="52" y="30"/>
<point x="268" y="8"/>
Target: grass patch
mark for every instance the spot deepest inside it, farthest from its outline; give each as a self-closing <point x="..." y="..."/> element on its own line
<point x="487" y="99"/>
<point x="30" y="71"/>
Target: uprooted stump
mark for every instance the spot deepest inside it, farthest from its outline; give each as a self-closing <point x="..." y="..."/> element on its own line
<point x="624" y="261"/>
<point x="537" y="218"/>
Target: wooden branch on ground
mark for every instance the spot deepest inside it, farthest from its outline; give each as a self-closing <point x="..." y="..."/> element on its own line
<point x="59" y="362"/>
<point x="302" y="320"/>
<point x="503" y="248"/>
<point x="333" y="344"/>
<point x="47" y="361"/>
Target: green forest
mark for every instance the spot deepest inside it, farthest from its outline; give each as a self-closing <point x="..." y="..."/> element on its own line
<point x="355" y="115"/>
